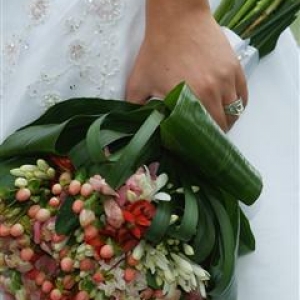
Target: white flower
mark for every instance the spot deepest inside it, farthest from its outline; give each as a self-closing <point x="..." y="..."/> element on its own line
<point x="143" y="186"/>
<point x="172" y="270"/>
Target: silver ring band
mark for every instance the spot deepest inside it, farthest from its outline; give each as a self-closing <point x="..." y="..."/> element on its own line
<point x="235" y="108"/>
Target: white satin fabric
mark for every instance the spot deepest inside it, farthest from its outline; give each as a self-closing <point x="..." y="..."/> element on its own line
<point x="58" y="49"/>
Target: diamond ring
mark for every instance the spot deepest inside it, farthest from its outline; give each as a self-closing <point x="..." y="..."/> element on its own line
<point x="235" y="108"/>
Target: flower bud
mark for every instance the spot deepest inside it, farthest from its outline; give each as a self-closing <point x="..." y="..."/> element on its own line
<point x="188" y="250"/>
<point x="138" y="251"/>
<point x="23" y="194"/>
<point x="16" y="230"/>
<point x="28" y="168"/>
<point x="40" y="175"/>
<point x="86" y="217"/>
<point x="43" y="215"/>
<point x="17" y="172"/>
<point x="173" y="219"/>
<point x="21" y="182"/>
<point x="42" y="165"/>
<point x="50" y="173"/>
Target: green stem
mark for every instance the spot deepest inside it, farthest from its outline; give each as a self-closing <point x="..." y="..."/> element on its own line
<point x="263" y="17"/>
<point x="222" y="9"/>
<point x="260" y="6"/>
<point x="248" y="5"/>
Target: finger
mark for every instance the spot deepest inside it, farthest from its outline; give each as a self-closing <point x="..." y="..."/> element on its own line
<point x="216" y="111"/>
<point x="229" y="98"/>
<point x="136" y="95"/>
<point x="241" y="86"/>
<point x="212" y="101"/>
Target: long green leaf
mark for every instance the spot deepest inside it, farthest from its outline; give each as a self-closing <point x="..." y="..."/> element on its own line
<point x="160" y="223"/>
<point x="189" y="220"/>
<point x="67" y="109"/>
<point x="224" y="265"/>
<point x="46" y="139"/>
<point x="247" y="240"/>
<point x="93" y="142"/>
<point x="206" y="148"/>
<point x="124" y="167"/>
<point x="205" y="237"/>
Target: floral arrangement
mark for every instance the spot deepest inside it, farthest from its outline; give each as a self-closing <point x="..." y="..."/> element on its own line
<point x="105" y="199"/>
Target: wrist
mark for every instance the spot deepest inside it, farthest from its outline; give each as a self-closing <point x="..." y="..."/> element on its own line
<point x="163" y="17"/>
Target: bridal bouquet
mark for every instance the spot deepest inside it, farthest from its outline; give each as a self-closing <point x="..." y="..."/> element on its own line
<point x="105" y="199"/>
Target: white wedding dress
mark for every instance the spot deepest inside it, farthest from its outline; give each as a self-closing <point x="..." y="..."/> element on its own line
<point x="57" y="49"/>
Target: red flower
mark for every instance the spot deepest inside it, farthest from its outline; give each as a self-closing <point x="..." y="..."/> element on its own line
<point x="138" y="217"/>
<point x="63" y="162"/>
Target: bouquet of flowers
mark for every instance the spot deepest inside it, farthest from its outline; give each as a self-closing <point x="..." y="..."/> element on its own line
<point x="105" y="199"/>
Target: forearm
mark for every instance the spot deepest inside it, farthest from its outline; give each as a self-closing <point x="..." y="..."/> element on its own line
<point x="167" y="13"/>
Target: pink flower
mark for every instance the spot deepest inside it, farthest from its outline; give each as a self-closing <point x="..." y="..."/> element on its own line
<point x="99" y="184"/>
<point x="114" y="215"/>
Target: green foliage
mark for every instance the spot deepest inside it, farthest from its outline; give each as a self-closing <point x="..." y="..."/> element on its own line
<point x="192" y="150"/>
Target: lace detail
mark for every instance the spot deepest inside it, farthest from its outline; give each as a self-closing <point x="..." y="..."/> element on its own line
<point x="85" y="63"/>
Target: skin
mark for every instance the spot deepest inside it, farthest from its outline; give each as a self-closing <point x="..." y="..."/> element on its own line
<point x="183" y="42"/>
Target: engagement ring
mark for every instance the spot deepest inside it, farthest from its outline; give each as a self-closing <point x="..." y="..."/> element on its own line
<point x="235" y="108"/>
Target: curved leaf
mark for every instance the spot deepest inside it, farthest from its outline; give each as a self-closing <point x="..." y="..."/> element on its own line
<point x="191" y="134"/>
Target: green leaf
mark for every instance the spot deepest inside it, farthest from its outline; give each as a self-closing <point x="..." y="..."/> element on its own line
<point x="160" y="223"/>
<point x="67" y="109"/>
<point x="223" y="265"/>
<point x="93" y="141"/>
<point x="189" y="220"/>
<point x="205" y="237"/>
<point x="247" y="240"/>
<point x="46" y="139"/>
<point x="191" y="134"/>
<point x="66" y="220"/>
<point x="127" y="163"/>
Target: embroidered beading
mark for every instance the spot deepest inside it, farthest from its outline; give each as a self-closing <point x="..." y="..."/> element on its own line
<point x="85" y="57"/>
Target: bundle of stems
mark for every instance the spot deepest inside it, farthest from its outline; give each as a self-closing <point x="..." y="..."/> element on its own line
<point x="261" y="21"/>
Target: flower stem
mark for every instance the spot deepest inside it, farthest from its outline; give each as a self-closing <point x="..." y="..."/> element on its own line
<point x="269" y="10"/>
<point x="248" y="5"/>
<point x="223" y="8"/>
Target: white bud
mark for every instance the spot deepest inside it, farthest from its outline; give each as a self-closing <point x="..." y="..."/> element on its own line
<point x="162" y="196"/>
<point x="173" y="219"/>
<point x="188" y="250"/>
<point x="131" y="196"/>
<point x="200" y="272"/>
<point x="180" y="190"/>
<point x="195" y="188"/>
<point x="28" y="168"/>
<point x="40" y="175"/>
<point x="138" y="251"/>
<point x="51" y="173"/>
<point x="29" y="175"/>
<point x="17" y="172"/>
<point x="42" y="165"/>
<point x="21" y="182"/>
<point x="182" y="263"/>
<point x="158" y="280"/>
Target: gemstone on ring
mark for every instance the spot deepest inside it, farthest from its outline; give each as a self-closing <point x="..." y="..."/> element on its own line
<point x="235" y="108"/>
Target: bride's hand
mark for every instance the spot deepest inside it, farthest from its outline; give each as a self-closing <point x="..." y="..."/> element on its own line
<point x="183" y="42"/>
